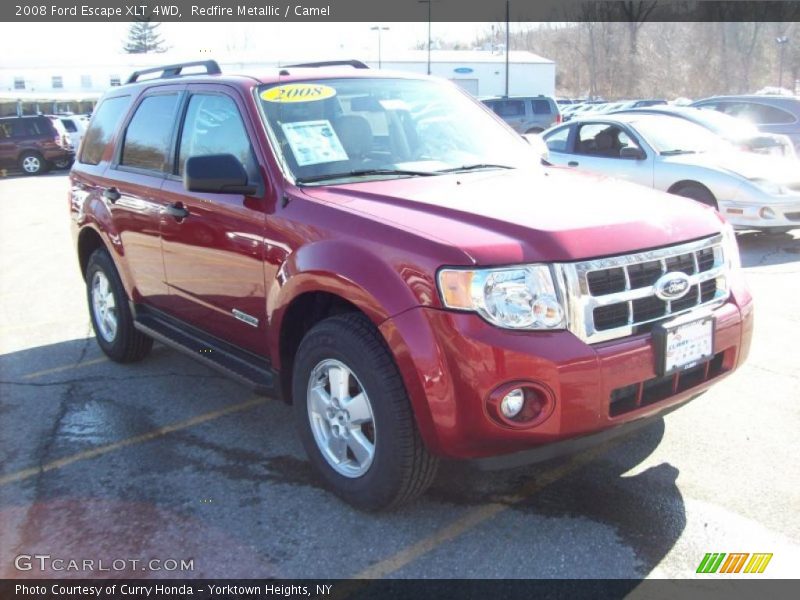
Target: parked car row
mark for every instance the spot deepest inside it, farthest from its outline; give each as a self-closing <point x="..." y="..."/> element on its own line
<point x="600" y="106"/>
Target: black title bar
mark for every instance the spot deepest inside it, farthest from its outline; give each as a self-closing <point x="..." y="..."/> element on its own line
<point x="399" y="10"/>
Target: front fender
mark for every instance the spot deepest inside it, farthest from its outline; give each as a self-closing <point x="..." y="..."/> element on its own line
<point x="377" y="286"/>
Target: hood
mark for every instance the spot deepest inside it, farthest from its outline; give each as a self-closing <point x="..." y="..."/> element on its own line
<point x="512" y="216"/>
<point x="745" y="164"/>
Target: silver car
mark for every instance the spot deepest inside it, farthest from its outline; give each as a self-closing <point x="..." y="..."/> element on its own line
<point x="771" y="114"/>
<point x="671" y="154"/>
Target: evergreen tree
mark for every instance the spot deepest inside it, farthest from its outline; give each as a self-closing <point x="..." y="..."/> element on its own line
<point x="143" y="38"/>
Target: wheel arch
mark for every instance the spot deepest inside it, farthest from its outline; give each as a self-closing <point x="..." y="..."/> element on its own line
<point x="299" y="316"/>
<point x="89" y="240"/>
<point x="687" y="182"/>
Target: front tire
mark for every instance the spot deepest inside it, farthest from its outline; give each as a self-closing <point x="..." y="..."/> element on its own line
<point x="32" y="163"/>
<point x="62" y="163"/>
<point x="354" y="417"/>
<point x="111" y="315"/>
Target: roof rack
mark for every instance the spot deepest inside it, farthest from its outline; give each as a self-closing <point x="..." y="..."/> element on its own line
<point x="356" y="64"/>
<point x="168" y="71"/>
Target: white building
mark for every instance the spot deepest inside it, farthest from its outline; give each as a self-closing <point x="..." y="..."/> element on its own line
<point x="30" y="88"/>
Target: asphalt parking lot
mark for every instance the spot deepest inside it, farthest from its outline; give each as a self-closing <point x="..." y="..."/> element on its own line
<point x="164" y="459"/>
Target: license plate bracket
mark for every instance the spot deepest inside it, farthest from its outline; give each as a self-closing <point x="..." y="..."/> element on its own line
<point x="683" y="343"/>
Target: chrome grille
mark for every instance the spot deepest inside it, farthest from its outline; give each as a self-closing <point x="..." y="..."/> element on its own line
<point x="614" y="297"/>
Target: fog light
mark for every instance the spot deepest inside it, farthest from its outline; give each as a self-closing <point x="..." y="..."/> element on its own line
<point x="766" y="213"/>
<point x="520" y="404"/>
<point x="512" y="403"/>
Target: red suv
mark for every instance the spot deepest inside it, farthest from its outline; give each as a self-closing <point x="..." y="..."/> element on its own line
<point x="34" y="144"/>
<point x="388" y="256"/>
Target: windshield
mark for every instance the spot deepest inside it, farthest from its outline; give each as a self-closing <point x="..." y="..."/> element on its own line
<point x="383" y="128"/>
<point x="677" y="136"/>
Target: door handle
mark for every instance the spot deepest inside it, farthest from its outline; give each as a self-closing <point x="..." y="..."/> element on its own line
<point x="572" y="163"/>
<point x="111" y="194"/>
<point x="176" y="210"/>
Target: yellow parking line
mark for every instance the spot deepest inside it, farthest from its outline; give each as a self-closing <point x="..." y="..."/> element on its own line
<point x="138" y="439"/>
<point x="478" y="515"/>
<point x="88" y="363"/>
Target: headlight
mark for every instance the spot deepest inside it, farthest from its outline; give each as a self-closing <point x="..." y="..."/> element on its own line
<point x="514" y="298"/>
<point x="770" y="187"/>
<point x="730" y="247"/>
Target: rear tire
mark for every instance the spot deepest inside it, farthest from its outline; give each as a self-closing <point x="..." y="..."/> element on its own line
<point x="697" y="192"/>
<point x="111" y="315"/>
<point x="32" y="163"/>
<point x="354" y="417"/>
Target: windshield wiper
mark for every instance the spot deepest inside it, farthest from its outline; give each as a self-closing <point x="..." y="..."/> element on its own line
<point x="676" y="151"/>
<point x="364" y="173"/>
<point x="474" y="167"/>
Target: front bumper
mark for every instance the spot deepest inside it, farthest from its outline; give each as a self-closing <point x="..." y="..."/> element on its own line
<point x="751" y="215"/>
<point x="452" y="362"/>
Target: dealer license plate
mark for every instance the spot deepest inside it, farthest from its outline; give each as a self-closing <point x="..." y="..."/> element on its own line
<point x="682" y="345"/>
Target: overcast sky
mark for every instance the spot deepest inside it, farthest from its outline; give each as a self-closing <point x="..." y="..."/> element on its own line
<point x="74" y="42"/>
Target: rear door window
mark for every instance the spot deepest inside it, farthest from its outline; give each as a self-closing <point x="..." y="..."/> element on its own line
<point x="104" y="123"/>
<point x="510" y="108"/>
<point x="149" y="132"/>
<point x="764" y="114"/>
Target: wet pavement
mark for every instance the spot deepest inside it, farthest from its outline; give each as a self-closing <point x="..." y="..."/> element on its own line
<point x="166" y="460"/>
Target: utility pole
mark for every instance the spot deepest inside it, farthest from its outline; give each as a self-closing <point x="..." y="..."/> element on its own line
<point x="429" y="3"/>
<point x="379" y="29"/>
<point x="508" y="40"/>
<point x="782" y="42"/>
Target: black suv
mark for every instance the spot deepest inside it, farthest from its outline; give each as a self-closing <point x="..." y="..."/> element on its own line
<point x="33" y="144"/>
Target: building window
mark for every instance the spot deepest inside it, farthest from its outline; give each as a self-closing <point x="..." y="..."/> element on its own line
<point x="58" y="82"/>
<point x="86" y="82"/>
<point x="115" y="80"/>
<point x="19" y="83"/>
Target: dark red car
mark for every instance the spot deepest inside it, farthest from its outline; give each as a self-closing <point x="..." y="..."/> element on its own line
<point x="389" y="257"/>
<point x="34" y="144"/>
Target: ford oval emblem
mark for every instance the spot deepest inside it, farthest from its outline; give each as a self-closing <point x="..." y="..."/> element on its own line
<point x="672" y="286"/>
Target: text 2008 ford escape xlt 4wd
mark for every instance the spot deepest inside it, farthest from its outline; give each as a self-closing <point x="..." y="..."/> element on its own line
<point x="388" y="256"/>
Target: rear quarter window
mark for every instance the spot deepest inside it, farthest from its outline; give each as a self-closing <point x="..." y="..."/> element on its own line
<point x="37" y="127"/>
<point x="542" y="107"/>
<point x="104" y="123"/>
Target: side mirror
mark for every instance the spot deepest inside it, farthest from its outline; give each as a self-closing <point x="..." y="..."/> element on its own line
<point x="216" y="174"/>
<point x="538" y="145"/>
<point x="632" y="152"/>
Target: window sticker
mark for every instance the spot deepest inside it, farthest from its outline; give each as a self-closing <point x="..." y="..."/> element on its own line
<point x="314" y="142"/>
<point x="298" y="92"/>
